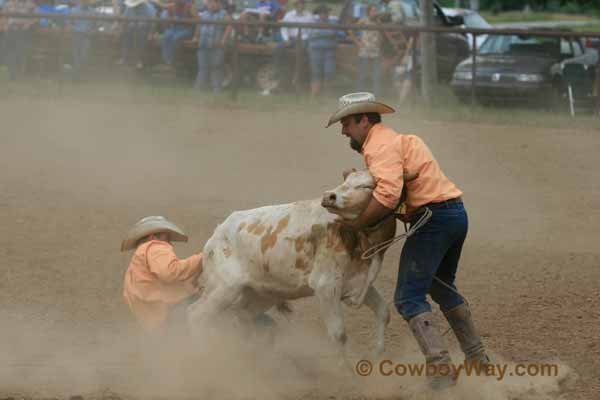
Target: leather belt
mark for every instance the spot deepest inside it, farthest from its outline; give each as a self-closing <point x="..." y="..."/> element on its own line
<point x="443" y="204"/>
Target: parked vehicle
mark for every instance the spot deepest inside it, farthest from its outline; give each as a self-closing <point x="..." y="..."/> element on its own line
<point x="522" y="68"/>
<point x="468" y="19"/>
<point x="451" y="48"/>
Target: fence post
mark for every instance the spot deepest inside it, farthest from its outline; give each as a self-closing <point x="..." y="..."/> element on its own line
<point x="413" y="72"/>
<point x="473" y="69"/>
<point x="428" y="56"/>
<point x="598" y="88"/>
<point x="235" y="73"/>
<point x="61" y="56"/>
<point x="299" y="59"/>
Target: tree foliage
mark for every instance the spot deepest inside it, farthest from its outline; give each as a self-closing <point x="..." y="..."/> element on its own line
<point x="570" y="6"/>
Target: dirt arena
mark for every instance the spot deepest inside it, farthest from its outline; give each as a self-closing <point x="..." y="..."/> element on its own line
<point x="76" y="174"/>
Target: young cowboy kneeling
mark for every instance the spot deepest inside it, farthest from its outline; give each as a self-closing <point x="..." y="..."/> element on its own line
<point x="158" y="285"/>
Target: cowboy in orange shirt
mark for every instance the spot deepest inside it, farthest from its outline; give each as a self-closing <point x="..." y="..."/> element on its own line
<point x="158" y="286"/>
<point x="429" y="258"/>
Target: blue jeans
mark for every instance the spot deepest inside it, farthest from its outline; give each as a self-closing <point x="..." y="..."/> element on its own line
<point x="134" y="41"/>
<point x="82" y="44"/>
<point x="372" y="67"/>
<point x="322" y="63"/>
<point x="2" y="48"/>
<point x="280" y="56"/>
<point x="434" y="250"/>
<point x="17" y="45"/>
<point x="171" y="37"/>
<point x="210" y="64"/>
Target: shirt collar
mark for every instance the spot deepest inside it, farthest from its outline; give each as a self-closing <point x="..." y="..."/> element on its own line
<point x="373" y="131"/>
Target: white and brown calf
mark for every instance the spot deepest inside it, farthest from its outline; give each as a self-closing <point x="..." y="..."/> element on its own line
<point x="260" y="258"/>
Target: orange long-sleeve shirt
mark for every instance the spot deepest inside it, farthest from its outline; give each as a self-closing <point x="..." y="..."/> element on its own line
<point x="388" y="153"/>
<point x="156" y="279"/>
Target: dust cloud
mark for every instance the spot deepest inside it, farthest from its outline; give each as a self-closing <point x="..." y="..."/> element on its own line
<point x="77" y="171"/>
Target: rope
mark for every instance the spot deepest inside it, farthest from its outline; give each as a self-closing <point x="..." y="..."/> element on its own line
<point x="373" y="250"/>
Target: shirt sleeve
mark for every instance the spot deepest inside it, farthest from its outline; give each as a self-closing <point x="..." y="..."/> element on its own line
<point x="164" y="263"/>
<point x="385" y="164"/>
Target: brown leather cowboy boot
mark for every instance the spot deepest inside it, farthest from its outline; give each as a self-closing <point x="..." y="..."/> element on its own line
<point x="434" y="349"/>
<point x="470" y="342"/>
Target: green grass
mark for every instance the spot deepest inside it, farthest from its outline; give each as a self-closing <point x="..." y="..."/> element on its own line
<point x="445" y="108"/>
<point x="592" y="27"/>
<point x="518" y="16"/>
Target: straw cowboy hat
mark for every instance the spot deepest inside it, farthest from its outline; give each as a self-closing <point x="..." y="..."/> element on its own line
<point x="358" y="103"/>
<point x="149" y="225"/>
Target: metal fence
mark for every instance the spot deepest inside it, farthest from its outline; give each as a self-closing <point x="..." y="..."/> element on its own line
<point x="236" y="48"/>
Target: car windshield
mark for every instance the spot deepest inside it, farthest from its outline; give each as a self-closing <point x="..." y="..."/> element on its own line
<point x="521" y="45"/>
<point x="475" y="21"/>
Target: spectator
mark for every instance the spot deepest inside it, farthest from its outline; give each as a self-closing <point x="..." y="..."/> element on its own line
<point x="82" y="35"/>
<point x="359" y="9"/>
<point x="211" y="41"/>
<point x="49" y="7"/>
<point x="179" y="31"/>
<point x="388" y="12"/>
<point x="299" y="15"/>
<point x="2" y="34"/>
<point x="136" y="34"/>
<point x="403" y="72"/>
<point x="290" y="35"/>
<point x="369" y="52"/>
<point x="322" y="44"/>
<point x="265" y="10"/>
<point x="397" y="11"/>
<point x="118" y="7"/>
<point x="17" y="36"/>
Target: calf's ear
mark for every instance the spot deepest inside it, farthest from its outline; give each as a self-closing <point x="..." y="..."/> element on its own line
<point x="348" y="172"/>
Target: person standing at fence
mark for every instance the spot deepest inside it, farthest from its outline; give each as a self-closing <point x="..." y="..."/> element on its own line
<point x="369" y="52"/>
<point x="290" y="36"/>
<point x="118" y="7"/>
<point x="83" y="30"/>
<point x="17" y="36"/>
<point x="211" y="40"/>
<point x="177" y="32"/>
<point x="322" y="45"/>
<point x="266" y="10"/>
<point x="135" y="34"/>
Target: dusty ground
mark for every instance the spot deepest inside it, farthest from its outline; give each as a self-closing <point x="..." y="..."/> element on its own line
<point x="77" y="173"/>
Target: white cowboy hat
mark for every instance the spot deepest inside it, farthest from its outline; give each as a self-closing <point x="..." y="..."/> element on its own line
<point x="149" y="225"/>
<point x="358" y="103"/>
<point x="134" y="3"/>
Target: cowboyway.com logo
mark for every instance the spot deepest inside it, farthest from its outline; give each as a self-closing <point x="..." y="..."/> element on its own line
<point x="499" y="371"/>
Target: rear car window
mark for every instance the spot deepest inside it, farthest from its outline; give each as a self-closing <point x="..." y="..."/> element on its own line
<point x="520" y="45"/>
<point x="565" y="48"/>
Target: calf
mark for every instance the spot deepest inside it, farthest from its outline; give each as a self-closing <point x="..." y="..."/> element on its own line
<point x="260" y="258"/>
